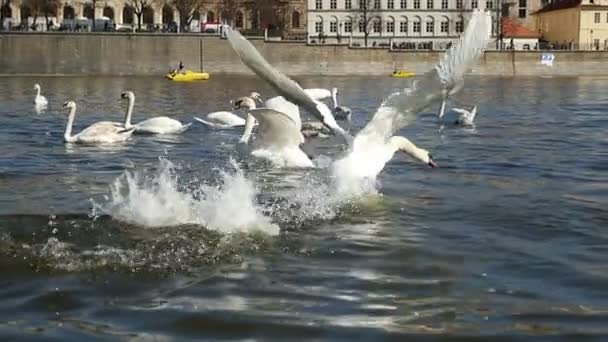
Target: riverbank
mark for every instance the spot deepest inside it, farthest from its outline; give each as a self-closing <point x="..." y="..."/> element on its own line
<point x="153" y="54"/>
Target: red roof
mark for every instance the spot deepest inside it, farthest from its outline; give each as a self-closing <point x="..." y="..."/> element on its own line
<point x="512" y="29"/>
<point x="559" y="5"/>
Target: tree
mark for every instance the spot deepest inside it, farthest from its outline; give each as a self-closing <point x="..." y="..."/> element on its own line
<point x="186" y="9"/>
<point x="139" y="6"/>
<point x="365" y="12"/>
<point x="272" y="13"/>
<point x="42" y="8"/>
<point x="228" y="11"/>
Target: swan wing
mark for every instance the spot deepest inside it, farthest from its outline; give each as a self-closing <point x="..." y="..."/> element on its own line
<point x="281" y="83"/>
<point x="460" y="111"/>
<point x="400" y="109"/>
<point x="318" y="93"/>
<point x="279" y="104"/>
<point x="276" y="130"/>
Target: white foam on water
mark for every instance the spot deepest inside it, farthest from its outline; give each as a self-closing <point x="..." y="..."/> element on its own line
<point x="159" y="201"/>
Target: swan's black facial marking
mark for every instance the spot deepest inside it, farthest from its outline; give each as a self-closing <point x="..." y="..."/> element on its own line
<point x="124" y="96"/>
<point x="65" y="104"/>
<point x="237" y="104"/>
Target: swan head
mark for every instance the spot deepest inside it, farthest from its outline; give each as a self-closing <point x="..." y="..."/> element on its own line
<point x="256" y="96"/>
<point x="69" y="104"/>
<point x="36" y="86"/>
<point x="420" y="154"/>
<point x="244" y="102"/>
<point x="127" y="95"/>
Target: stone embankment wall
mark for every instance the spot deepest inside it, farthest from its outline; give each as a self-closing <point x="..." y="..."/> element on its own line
<point x="155" y="54"/>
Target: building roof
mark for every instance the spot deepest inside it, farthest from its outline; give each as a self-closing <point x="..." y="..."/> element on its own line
<point x="513" y="29"/>
<point x="559" y="5"/>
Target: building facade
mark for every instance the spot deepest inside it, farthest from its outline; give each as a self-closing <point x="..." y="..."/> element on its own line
<point x="521" y="10"/>
<point x="288" y="16"/>
<point x="581" y="23"/>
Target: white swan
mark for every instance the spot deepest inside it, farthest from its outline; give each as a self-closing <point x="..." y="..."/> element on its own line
<point x="318" y="93"/>
<point x="225" y="119"/>
<point x="375" y="144"/>
<point x="339" y="112"/>
<point x="464" y="117"/>
<point x="39" y="100"/>
<point x="289" y="89"/>
<point x="157" y="125"/>
<point x="98" y="133"/>
<point x="278" y="138"/>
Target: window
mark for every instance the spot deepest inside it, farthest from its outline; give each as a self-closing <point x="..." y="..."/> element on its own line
<point x="403" y="27"/>
<point x="362" y="26"/>
<point x="459" y="27"/>
<point x="348" y="4"/>
<point x="597" y="18"/>
<point x="489" y="4"/>
<point x="348" y="27"/>
<point x="377" y="26"/>
<point x="444" y="26"/>
<point x="596" y="44"/>
<point x="390" y="4"/>
<point x="416" y="4"/>
<point x="390" y="27"/>
<point x="459" y="4"/>
<point x="333" y="4"/>
<point x="430" y="27"/>
<point x="474" y="3"/>
<point x="318" y="4"/>
<point x="295" y="19"/>
<point x="239" y="19"/>
<point x="523" y="4"/>
<point x="429" y="4"/>
<point x="333" y="26"/>
<point x="444" y="4"/>
<point x="403" y="3"/>
<point x="319" y="27"/>
<point x="417" y="27"/>
<point x="376" y="4"/>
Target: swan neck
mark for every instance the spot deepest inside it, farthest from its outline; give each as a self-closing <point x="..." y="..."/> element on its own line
<point x="129" y="112"/>
<point x="67" y="136"/>
<point x="248" y="129"/>
<point x="334" y="98"/>
<point x="442" y="109"/>
<point x="37" y="91"/>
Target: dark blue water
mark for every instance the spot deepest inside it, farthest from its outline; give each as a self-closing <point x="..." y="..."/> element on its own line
<point x="507" y="238"/>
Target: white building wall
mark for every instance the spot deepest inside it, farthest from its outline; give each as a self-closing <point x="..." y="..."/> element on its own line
<point x="322" y="18"/>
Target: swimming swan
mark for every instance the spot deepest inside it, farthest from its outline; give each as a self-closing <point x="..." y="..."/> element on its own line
<point x="157" y="125"/>
<point x="225" y="119"/>
<point x="98" y="133"/>
<point x="339" y="112"/>
<point x="278" y="138"/>
<point x="39" y="100"/>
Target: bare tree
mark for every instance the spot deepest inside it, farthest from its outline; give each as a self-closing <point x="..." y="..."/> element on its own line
<point x="186" y="9"/>
<point x="365" y="10"/>
<point x="139" y="7"/>
<point x="228" y="10"/>
<point x="40" y="8"/>
<point x="272" y="13"/>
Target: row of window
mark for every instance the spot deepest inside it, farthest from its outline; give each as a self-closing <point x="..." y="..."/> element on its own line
<point x="597" y="17"/>
<point x="376" y="27"/>
<point x="390" y="4"/>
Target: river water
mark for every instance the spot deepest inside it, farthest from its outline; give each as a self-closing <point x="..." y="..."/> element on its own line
<point x="180" y="238"/>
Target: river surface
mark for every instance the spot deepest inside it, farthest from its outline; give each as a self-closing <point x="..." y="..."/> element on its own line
<point x="179" y="237"/>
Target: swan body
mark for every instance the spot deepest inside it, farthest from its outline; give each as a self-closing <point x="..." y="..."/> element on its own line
<point x="157" y="125"/>
<point x="278" y="139"/>
<point x="339" y="112"/>
<point x="222" y="119"/>
<point x="318" y="93"/>
<point x="99" y="133"/>
<point x="39" y="100"/>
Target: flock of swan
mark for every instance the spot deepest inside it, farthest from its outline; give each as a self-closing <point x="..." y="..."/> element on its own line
<point x="273" y="129"/>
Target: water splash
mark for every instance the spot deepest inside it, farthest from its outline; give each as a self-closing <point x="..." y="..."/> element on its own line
<point x="160" y="201"/>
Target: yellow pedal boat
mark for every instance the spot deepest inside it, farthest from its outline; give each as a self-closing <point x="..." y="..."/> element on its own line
<point x="187" y="76"/>
<point x="403" y="74"/>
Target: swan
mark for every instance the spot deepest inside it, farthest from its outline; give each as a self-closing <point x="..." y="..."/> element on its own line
<point x="464" y="118"/>
<point x="39" y="100"/>
<point x="98" y="133"/>
<point x="225" y="119"/>
<point x="285" y="86"/>
<point x="339" y="112"/>
<point x="318" y="93"/>
<point x="375" y="144"/>
<point x="278" y="139"/>
<point x="157" y="125"/>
